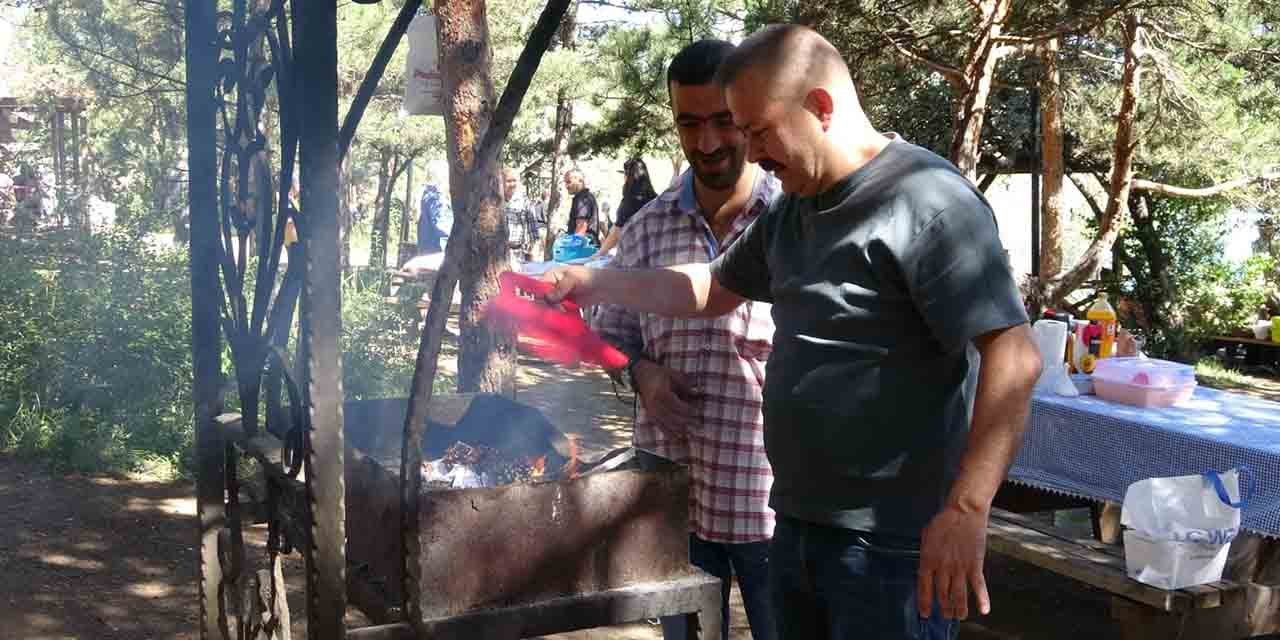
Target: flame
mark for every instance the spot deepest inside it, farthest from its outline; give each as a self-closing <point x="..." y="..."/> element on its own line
<point x="571" y="467"/>
<point x="538" y="467"/>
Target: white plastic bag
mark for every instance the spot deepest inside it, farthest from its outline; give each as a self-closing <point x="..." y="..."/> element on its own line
<point x="423" y="84"/>
<point x="1051" y="340"/>
<point x="1180" y="529"/>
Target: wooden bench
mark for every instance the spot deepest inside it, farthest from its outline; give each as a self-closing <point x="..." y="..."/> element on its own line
<point x="1218" y="611"/>
<point x="1256" y="351"/>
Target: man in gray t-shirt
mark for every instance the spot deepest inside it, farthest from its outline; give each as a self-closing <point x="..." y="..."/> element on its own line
<point x="879" y="285"/>
<point x="884" y="269"/>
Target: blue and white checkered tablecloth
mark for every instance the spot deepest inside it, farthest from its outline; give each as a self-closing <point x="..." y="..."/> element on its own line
<point x="1088" y="447"/>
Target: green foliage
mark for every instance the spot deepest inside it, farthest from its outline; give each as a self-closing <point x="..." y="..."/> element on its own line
<point x="380" y="339"/>
<point x="633" y="105"/>
<point x="636" y="112"/>
<point x="1184" y="289"/>
<point x="96" y="367"/>
<point x="123" y="60"/>
<point x="377" y="360"/>
<point x="95" y="354"/>
<point x="1227" y="297"/>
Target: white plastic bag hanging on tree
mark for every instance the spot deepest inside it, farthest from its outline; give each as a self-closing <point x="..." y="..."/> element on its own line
<point x="423" y="85"/>
<point x="1180" y="528"/>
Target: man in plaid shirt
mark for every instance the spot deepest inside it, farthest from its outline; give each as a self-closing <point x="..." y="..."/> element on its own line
<point x="700" y="381"/>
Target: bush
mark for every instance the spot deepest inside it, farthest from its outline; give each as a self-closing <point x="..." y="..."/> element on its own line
<point x="1195" y="293"/>
<point x="379" y="339"/>
<point x="95" y="367"/>
<point x="95" y="353"/>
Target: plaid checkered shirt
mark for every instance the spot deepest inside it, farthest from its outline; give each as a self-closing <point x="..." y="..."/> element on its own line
<point x="723" y="358"/>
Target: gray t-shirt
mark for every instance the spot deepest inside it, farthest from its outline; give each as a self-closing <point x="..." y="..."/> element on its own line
<point x="878" y="286"/>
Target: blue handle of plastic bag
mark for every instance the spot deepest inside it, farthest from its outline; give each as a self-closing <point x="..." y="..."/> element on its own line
<point x="1246" y="492"/>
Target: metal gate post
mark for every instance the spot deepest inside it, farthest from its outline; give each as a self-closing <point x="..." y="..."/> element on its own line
<point x="316" y="65"/>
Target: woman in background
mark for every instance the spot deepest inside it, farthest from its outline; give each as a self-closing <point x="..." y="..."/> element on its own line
<point x="637" y="191"/>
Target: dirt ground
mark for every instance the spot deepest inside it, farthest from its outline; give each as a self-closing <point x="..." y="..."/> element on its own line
<point x="108" y="558"/>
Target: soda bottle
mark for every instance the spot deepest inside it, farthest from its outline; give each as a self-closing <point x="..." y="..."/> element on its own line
<point x="1103" y="315"/>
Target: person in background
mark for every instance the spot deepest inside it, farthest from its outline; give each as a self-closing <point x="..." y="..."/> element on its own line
<point x="523" y="221"/>
<point x="28" y="208"/>
<point x="435" y="221"/>
<point x="700" y="381"/>
<point x="584" y="213"/>
<point x="637" y="191"/>
<point x="886" y="274"/>
<point x="6" y="197"/>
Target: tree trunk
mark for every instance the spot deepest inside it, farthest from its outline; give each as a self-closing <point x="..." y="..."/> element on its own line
<point x="1156" y="288"/>
<point x="979" y="73"/>
<point x="486" y="359"/>
<point x="486" y="162"/>
<point x="1121" y="181"/>
<point x="563" y="128"/>
<point x="1051" y="153"/>
<point x="346" y="217"/>
<point x="381" y="228"/>
<point x="559" y="149"/>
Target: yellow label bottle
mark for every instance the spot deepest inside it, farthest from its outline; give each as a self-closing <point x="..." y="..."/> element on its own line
<point x="1103" y="315"/>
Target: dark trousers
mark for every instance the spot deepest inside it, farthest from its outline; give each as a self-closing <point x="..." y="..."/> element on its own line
<point x="750" y="563"/>
<point x="838" y="584"/>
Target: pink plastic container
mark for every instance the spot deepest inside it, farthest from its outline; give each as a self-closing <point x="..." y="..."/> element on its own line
<point x="1143" y="382"/>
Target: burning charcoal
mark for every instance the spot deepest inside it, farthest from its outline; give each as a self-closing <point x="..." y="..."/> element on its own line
<point x="465" y="465"/>
<point x="463" y="453"/>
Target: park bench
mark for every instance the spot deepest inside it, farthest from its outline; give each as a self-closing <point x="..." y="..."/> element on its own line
<point x="1219" y="611"/>
<point x="1256" y="351"/>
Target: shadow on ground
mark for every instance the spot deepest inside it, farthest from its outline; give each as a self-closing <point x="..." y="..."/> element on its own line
<point x="107" y="558"/>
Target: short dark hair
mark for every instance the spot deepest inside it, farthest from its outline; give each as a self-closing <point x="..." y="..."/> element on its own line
<point x="792" y="52"/>
<point x="697" y="62"/>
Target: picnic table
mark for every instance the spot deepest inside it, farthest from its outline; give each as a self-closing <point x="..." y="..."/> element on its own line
<point x="1088" y="448"/>
<point x="1256" y="351"/>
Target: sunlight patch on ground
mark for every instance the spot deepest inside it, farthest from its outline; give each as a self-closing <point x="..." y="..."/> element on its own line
<point x="171" y="506"/>
<point x="151" y="589"/>
<point x="147" y="569"/>
<point x="36" y="621"/>
<point x="90" y="546"/>
<point x="68" y="562"/>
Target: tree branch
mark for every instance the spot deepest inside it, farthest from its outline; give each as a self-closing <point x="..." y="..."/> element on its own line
<point x="1264" y="54"/>
<point x="518" y="84"/>
<point x="1089" y="199"/>
<point x="953" y="75"/>
<point x="1081" y="25"/>
<point x="1203" y="192"/>
<point x="1121" y="182"/>
<point x="79" y="50"/>
<point x="370" y="83"/>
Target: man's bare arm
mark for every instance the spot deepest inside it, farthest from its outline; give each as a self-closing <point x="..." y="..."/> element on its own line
<point x="685" y="291"/>
<point x="954" y="544"/>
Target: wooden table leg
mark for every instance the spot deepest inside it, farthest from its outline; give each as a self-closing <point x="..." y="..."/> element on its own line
<point x="1106" y="521"/>
<point x="1252" y="355"/>
<point x="710" y="618"/>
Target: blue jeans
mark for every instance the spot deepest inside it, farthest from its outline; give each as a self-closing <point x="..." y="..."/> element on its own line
<point x="750" y="563"/>
<point x="839" y="584"/>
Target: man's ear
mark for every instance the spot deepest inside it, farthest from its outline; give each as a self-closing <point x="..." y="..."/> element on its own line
<point x="819" y="102"/>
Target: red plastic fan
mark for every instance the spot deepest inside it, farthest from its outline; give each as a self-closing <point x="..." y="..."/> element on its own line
<point x="557" y="335"/>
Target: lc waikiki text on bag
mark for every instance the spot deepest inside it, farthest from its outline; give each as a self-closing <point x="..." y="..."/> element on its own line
<point x="1179" y="529"/>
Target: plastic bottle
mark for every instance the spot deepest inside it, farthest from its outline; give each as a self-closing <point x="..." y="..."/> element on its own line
<point x="1103" y="315"/>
